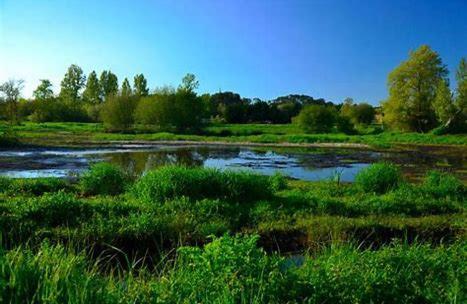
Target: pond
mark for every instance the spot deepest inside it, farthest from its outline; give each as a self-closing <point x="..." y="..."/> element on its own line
<point x="299" y="163"/>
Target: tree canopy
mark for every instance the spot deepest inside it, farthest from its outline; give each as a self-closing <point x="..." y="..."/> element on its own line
<point x="72" y="83"/>
<point x="412" y="91"/>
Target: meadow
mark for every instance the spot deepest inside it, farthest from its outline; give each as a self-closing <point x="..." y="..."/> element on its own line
<point x="77" y="134"/>
<point x="190" y="234"/>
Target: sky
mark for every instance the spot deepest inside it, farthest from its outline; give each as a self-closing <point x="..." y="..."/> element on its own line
<point x="257" y="48"/>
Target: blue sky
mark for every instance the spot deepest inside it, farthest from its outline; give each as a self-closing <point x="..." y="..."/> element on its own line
<point x="330" y="49"/>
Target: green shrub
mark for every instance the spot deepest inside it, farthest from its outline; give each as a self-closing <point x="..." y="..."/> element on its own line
<point x="441" y="184"/>
<point x="316" y="118"/>
<point x="227" y="270"/>
<point x="103" y="178"/>
<point x="278" y="181"/>
<point x="197" y="183"/>
<point x="379" y="178"/>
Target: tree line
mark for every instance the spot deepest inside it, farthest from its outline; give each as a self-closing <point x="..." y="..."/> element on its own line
<point x="420" y="99"/>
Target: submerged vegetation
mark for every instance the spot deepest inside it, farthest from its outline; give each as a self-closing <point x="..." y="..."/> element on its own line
<point x="180" y="234"/>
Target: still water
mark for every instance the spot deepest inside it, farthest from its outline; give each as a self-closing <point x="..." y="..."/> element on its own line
<point x="299" y="163"/>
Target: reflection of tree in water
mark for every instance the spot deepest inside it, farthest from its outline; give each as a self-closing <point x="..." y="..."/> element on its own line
<point x="138" y="162"/>
<point x="414" y="163"/>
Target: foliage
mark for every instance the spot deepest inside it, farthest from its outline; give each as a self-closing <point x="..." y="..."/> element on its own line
<point x="412" y="90"/>
<point x="235" y="270"/>
<point x="72" y="83"/>
<point x="92" y="92"/>
<point x="316" y="119"/>
<point x="140" y="85"/>
<point x="402" y="274"/>
<point x="196" y="183"/>
<point x="103" y="178"/>
<point x="229" y="269"/>
<point x="56" y="109"/>
<point x="442" y="184"/>
<point x="126" y="88"/>
<point x="36" y="186"/>
<point x="443" y="104"/>
<point x="108" y="83"/>
<point x="379" y="178"/>
<point x="181" y="110"/>
<point x="44" y="90"/>
<point x="117" y="112"/>
<point x="11" y="91"/>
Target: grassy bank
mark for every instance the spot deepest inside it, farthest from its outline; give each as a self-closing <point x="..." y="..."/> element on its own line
<point x="79" y="133"/>
<point x="189" y="235"/>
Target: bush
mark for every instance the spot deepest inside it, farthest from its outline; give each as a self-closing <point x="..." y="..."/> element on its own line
<point x="227" y="270"/>
<point x="379" y="178"/>
<point x="170" y="182"/>
<point x="441" y="184"/>
<point x="117" y="113"/>
<point x="180" y="110"/>
<point x="345" y="125"/>
<point x="103" y="178"/>
<point x="316" y="119"/>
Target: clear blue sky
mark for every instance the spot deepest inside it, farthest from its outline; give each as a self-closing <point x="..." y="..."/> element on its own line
<point x="330" y="49"/>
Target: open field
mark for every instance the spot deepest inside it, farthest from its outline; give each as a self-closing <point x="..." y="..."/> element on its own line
<point x="202" y="235"/>
<point x="63" y="134"/>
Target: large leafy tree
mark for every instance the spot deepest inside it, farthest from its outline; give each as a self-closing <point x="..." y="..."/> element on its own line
<point x="72" y="83"/>
<point x="44" y="90"/>
<point x="443" y="103"/>
<point x="92" y="91"/>
<point x="126" y="88"/>
<point x="189" y="83"/>
<point x="412" y="90"/>
<point x="11" y="91"/>
<point x="461" y="77"/>
<point x="140" y="85"/>
<point x="109" y="84"/>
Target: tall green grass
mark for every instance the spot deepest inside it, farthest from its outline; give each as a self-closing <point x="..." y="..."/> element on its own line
<point x="103" y="178"/>
<point x="235" y="270"/>
<point x="197" y="183"/>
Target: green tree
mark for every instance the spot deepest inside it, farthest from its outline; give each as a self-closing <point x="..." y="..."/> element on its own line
<point x="92" y="91"/>
<point x="109" y="84"/>
<point x="118" y="112"/>
<point x="189" y="83"/>
<point x="72" y="83"/>
<point x="316" y="119"/>
<point x="140" y="85"/>
<point x="347" y="108"/>
<point x="11" y="91"/>
<point x="443" y="103"/>
<point x="461" y="77"/>
<point x="412" y="90"/>
<point x="44" y="90"/>
<point x="363" y="114"/>
<point x="126" y="88"/>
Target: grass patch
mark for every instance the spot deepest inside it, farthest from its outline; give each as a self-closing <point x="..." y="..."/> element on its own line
<point x="197" y="183"/>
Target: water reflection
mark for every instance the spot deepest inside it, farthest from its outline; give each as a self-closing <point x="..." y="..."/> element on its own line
<point x="306" y="164"/>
